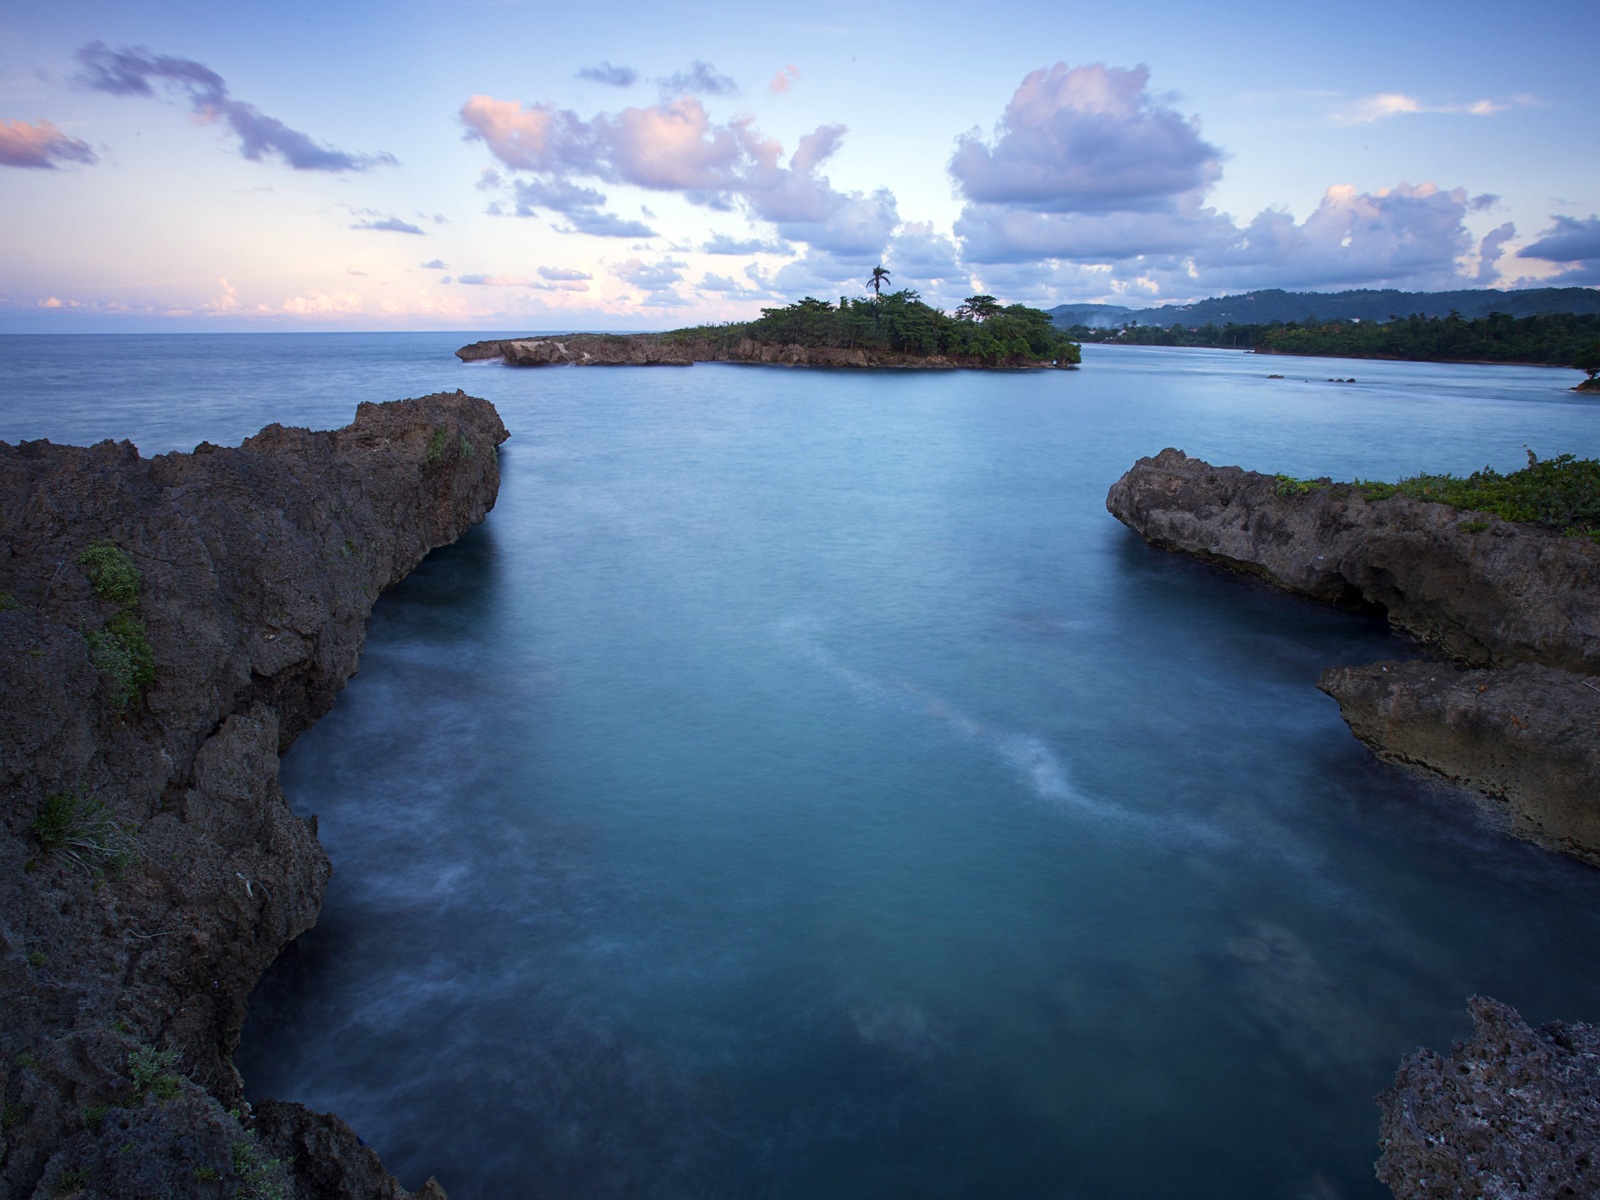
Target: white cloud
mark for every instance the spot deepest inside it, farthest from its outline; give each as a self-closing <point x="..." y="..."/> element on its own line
<point x="1383" y="105"/>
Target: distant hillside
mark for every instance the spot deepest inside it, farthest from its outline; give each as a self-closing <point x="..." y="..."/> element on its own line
<point x="1274" y="304"/>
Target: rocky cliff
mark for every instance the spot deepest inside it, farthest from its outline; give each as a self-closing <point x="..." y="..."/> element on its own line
<point x="1512" y="1111"/>
<point x="1516" y="715"/>
<point x="168" y="626"/>
<point x="1480" y="591"/>
<point x="649" y="349"/>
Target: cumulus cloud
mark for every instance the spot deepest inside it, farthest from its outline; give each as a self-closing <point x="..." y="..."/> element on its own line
<point x="1085" y="139"/>
<point x="649" y="276"/>
<point x="133" y="71"/>
<point x="494" y="281"/>
<point x="1090" y="178"/>
<point x="320" y="304"/>
<point x="700" y="79"/>
<point x="722" y="285"/>
<point x="562" y="274"/>
<point x="784" y="80"/>
<point x="436" y="264"/>
<point x="1574" y="242"/>
<point x="920" y="256"/>
<point x="389" y="225"/>
<point x="675" y="146"/>
<point x="598" y="223"/>
<point x="1490" y="251"/>
<point x="721" y="243"/>
<point x="40" y="145"/>
<point x="607" y="74"/>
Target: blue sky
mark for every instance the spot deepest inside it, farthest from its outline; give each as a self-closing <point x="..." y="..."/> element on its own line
<point x="497" y="164"/>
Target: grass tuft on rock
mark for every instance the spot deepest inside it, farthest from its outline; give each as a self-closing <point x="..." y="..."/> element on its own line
<point x="121" y="651"/>
<point x="85" y="832"/>
<point x="111" y="572"/>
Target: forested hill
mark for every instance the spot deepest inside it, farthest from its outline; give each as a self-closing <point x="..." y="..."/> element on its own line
<point x="1274" y="304"/>
<point x="1558" y="339"/>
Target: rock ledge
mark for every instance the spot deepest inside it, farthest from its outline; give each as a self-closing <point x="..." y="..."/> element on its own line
<point x="124" y="985"/>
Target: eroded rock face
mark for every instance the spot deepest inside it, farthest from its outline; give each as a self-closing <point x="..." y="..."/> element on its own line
<point x="1483" y="591"/>
<point x="1526" y="735"/>
<point x="257" y="568"/>
<point x="1512" y="1111"/>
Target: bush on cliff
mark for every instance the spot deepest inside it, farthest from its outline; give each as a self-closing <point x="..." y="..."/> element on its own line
<point x="1559" y="493"/>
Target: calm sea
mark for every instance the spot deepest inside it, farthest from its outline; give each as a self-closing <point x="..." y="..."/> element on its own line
<point x="801" y="787"/>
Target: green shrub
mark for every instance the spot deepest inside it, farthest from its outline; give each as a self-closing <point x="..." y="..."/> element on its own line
<point x="94" y="1115"/>
<point x="121" y="652"/>
<point x="111" y="572"/>
<point x="260" y="1177"/>
<point x="15" y="1114"/>
<point x="206" y="1175"/>
<point x="8" y="601"/>
<point x="37" y="958"/>
<point x="70" y="1181"/>
<point x="152" y="1073"/>
<point x="1288" y="485"/>
<point x="436" y="445"/>
<point x="1560" y="493"/>
<point x="84" y="832"/>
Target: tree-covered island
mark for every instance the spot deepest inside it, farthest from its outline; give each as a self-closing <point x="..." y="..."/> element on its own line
<point x="888" y="329"/>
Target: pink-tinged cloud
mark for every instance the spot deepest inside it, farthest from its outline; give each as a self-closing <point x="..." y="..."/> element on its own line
<point x="1382" y="105"/>
<point x="675" y="146"/>
<point x="783" y="80"/>
<point x="1086" y="139"/>
<point x="537" y="138"/>
<point x="563" y="274"/>
<point x="40" y="145"/>
<point x="495" y="280"/>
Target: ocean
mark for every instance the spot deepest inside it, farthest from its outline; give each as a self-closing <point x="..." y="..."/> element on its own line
<point x="801" y="787"/>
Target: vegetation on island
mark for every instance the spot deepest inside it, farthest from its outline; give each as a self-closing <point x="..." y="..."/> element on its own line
<point x="981" y="328"/>
<point x="1553" y="339"/>
<point x="1561" y="493"/>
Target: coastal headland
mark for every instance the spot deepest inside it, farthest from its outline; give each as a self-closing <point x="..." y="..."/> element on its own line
<point x="1480" y="591"/>
<point x="892" y="330"/>
<point x="658" y="350"/>
<point x="1508" y="704"/>
<point x="169" y="626"/>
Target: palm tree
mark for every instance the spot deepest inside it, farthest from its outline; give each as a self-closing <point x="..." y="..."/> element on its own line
<point x="879" y="278"/>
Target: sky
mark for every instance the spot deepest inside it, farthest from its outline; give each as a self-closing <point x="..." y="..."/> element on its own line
<point x="520" y="165"/>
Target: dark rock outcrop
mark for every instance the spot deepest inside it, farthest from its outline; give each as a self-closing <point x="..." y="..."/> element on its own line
<point x="144" y="716"/>
<point x="650" y="349"/>
<point x="1512" y="1111"/>
<point x="1481" y="591"/>
<point x="1526" y="735"/>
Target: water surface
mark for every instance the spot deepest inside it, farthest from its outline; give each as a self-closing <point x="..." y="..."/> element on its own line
<point x="801" y="787"/>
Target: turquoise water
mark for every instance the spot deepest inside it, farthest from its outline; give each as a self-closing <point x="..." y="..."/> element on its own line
<point x="800" y="786"/>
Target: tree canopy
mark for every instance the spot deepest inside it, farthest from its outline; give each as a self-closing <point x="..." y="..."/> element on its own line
<point x="1556" y="339"/>
<point x="1005" y="335"/>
